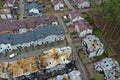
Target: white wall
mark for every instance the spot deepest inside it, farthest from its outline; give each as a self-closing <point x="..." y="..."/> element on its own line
<point x="93" y="53"/>
<point x="58" y="6"/>
<point x="4" y="47"/>
<point x="85" y="32"/>
<point x="49" y="39"/>
<point x="84" y="4"/>
<point x="77" y="19"/>
<point x="23" y="30"/>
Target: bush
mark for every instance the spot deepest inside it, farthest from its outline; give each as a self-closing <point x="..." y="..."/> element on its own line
<point x="74" y="35"/>
<point x="99" y="77"/>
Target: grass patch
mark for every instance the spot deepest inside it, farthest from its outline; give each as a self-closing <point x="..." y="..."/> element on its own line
<point x="99" y="77"/>
<point x="104" y="55"/>
<point x="88" y="19"/>
<point x="97" y="32"/>
<point x="41" y="1"/>
<point x="74" y="35"/>
<point x="109" y="52"/>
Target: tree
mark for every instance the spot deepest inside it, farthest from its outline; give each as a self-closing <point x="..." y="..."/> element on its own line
<point x="1" y="4"/>
<point x="108" y="13"/>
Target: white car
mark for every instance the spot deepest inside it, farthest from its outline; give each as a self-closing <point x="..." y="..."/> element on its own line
<point x="13" y="55"/>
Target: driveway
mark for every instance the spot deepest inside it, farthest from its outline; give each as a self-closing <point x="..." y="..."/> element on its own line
<point x="21" y="4"/>
<point x="68" y="4"/>
<point x="79" y="63"/>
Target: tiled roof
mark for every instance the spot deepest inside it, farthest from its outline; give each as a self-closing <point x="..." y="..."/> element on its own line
<point x="33" y="5"/>
<point x="12" y="25"/>
<point x="74" y="13"/>
<point x="18" y="24"/>
<point x="55" y="2"/>
<point x="38" y="33"/>
<point x="83" y="25"/>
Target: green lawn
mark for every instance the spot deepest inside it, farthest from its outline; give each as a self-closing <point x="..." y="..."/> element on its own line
<point x="99" y="76"/>
<point x="88" y="19"/>
<point x="1" y="4"/>
<point x="74" y="35"/>
<point x="97" y="32"/>
<point x="40" y="1"/>
<point x="109" y="52"/>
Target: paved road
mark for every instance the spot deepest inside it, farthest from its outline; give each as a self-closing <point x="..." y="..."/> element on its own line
<point x="37" y="51"/>
<point x="79" y="63"/>
<point x="21" y="4"/>
<point x="68" y="4"/>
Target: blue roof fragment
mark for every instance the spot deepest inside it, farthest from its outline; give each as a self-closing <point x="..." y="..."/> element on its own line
<point x="34" y="35"/>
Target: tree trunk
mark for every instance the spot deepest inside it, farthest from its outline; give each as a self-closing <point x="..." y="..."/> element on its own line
<point x="110" y="29"/>
<point x="117" y="33"/>
<point x="114" y="30"/>
<point x="118" y="41"/>
<point x="104" y="27"/>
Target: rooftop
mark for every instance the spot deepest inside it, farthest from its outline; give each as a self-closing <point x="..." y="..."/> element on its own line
<point x="109" y="67"/>
<point x="29" y="65"/>
<point x="55" y="2"/>
<point x="93" y="42"/>
<point x="18" y="24"/>
<point x="74" y="13"/>
<point x="36" y="34"/>
<point x="83" y="25"/>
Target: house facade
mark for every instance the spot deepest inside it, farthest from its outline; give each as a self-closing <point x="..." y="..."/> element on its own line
<point x="82" y="3"/>
<point x="32" y="9"/>
<point x="75" y="15"/>
<point x="58" y="4"/>
<point x="109" y="67"/>
<point x="73" y="75"/>
<point x="39" y="36"/>
<point x="92" y="46"/>
<point x="83" y="28"/>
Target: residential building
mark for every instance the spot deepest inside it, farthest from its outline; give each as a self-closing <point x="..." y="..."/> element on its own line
<point x="32" y="9"/>
<point x="75" y="15"/>
<point x="12" y="25"/>
<point x="5" y="47"/>
<point x="39" y="36"/>
<point x="58" y="4"/>
<point x="5" y="12"/>
<point x="92" y="46"/>
<point x="8" y="3"/>
<point x="83" y="28"/>
<point x="73" y="75"/>
<point x="109" y="67"/>
<point x="82" y="3"/>
<point x="56" y="56"/>
<point x="32" y="68"/>
<point x="21" y="26"/>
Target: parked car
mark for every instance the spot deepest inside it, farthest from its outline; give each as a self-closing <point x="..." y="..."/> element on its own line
<point x="13" y="55"/>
